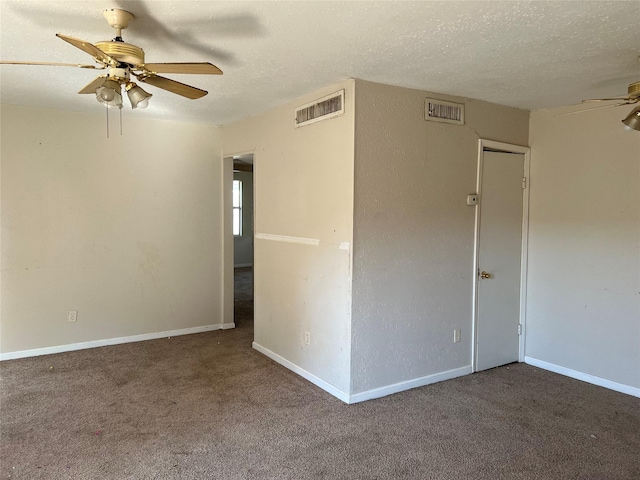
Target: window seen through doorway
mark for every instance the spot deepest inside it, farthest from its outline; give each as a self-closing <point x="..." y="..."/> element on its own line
<point x="237" y="208"/>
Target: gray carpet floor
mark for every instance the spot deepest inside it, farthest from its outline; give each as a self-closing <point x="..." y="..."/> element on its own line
<point x="207" y="406"/>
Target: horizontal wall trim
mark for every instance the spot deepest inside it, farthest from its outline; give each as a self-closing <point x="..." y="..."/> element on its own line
<point x="112" y="341"/>
<point x="285" y="238"/>
<point x="409" y="384"/>
<point x="317" y="381"/>
<point x="585" y="377"/>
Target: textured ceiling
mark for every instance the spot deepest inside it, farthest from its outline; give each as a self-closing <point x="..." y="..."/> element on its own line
<point x="530" y="55"/>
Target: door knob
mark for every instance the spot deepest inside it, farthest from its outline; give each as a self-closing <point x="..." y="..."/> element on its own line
<point x="485" y="275"/>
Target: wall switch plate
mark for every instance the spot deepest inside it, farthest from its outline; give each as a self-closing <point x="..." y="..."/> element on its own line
<point x="456" y="335"/>
<point x="307" y="338"/>
<point x="73" y="316"/>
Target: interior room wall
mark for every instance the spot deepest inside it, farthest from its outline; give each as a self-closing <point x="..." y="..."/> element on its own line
<point x="583" y="308"/>
<point x="414" y="234"/>
<point x="126" y="230"/>
<point x="303" y="235"/>
<point x="243" y="245"/>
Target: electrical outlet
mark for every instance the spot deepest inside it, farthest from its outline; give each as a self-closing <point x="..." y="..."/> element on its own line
<point x="307" y="338"/>
<point x="73" y="316"/>
<point x="456" y="335"/>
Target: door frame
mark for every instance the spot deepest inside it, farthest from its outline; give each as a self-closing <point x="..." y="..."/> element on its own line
<point x="227" y="273"/>
<point x="506" y="148"/>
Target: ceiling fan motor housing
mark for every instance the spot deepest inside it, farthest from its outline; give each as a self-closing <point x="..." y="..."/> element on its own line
<point x="123" y="52"/>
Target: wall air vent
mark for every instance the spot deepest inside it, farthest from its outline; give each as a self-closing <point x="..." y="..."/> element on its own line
<point x="321" y="109"/>
<point x="441" y="111"/>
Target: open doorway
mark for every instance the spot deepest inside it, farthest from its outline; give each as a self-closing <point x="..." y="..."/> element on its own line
<point x="243" y="233"/>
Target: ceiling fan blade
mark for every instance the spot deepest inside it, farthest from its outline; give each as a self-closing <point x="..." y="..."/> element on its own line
<point x="173" y="86"/>
<point x="203" y="68"/>
<point x="606" y="99"/>
<point x="51" y="64"/>
<point x="92" y="86"/>
<point x="598" y="107"/>
<point x="89" y="48"/>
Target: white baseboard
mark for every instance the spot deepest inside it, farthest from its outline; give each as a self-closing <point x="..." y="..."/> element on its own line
<point x="409" y="384"/>
<point x="369" y="394"/>
<point x="327" y="387"/>
<point x="585" y="377"/>
<point x="242" y="265"/>
<point x="111" y="341"/>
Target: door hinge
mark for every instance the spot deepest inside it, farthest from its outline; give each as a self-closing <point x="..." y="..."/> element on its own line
<point x="524" y="182"/>
<point x="519" y="329"/>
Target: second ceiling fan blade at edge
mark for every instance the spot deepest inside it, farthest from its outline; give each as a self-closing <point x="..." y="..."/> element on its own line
<point x="52" y="64"/>
<point x="612" y="99"/>
<point x="192" y="68"/>
<point x="174" y="87"/>
<point x="92" y="86"/>
<point x="595" y="108"/>
<point x="89" y="48"/>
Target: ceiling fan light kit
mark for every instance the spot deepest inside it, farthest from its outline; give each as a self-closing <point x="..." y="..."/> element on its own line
<point x="632" y="122"/>
<point x="125" y="60"/>
<point x="109" y="92"/>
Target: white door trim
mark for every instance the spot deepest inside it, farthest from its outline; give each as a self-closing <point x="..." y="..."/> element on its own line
<point x="226" y="305"/>
<point x="507" y="148"/>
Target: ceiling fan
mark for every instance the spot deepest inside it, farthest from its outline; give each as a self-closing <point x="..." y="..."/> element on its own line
<point x="122" y="61"/>
<point x="632" y="121"/>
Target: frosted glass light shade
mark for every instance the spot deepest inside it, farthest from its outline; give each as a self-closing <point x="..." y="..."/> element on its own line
<point x="633" y="119"/>
<point x="109" y="94"/>
<point x="137" y="96"/>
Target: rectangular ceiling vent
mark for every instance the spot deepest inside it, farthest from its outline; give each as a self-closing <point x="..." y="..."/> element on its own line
<point x="441" y="111"/>
<point x="321" y="109"/>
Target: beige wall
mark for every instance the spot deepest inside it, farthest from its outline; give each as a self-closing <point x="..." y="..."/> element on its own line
<point x="414" y="233"/>
<point x="303" y="192"/>
<point x="133" y="239"/>
<point x="583" y="308"/>
<point x="124" y="230"/>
